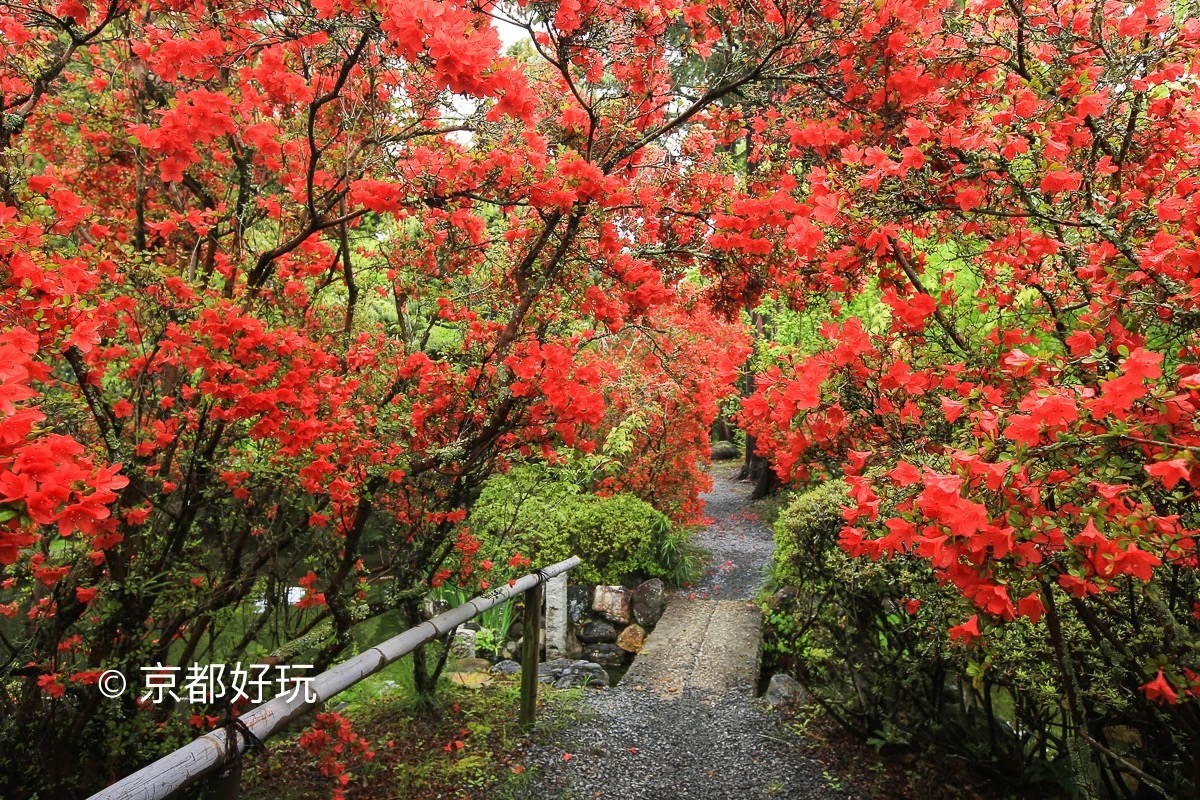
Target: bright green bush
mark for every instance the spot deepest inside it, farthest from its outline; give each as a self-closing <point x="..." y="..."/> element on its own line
<point x="529" y="511"/>
<point x="812" y="518"/>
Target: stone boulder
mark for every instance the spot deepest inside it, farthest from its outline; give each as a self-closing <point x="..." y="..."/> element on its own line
<point x="725" y="451"/>
<point x="565" y="673"/>
<point x="463" y="644"/>
<point x="574" y="646"/>
<point x="784" y="690"/>
<point x="506" y="667"/>
<point x="604" y="653"/>
<point x="597" y="631"/>
<point x="613" y="602"/>
<point x="648" y="602"/>
<point x="632" y="639"/>
<point x="783" y="598"/>
<point x="579" y="602"/>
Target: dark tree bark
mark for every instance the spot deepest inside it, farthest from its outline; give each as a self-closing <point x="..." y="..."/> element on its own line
<point x="754" y="467"/>
<point x="748" y="470"/>
<point x="766" y="482"/>
<point x="424" y="679"/>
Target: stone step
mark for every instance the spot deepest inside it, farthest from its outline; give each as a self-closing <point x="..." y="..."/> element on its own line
<point x="706" y="645"/>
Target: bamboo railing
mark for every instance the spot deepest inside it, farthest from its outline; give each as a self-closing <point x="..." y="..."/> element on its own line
<point x="209" y="753"/>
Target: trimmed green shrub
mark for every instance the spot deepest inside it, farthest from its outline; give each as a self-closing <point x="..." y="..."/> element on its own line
<point x="528" y="511"/>
<point x="806" y="533"/>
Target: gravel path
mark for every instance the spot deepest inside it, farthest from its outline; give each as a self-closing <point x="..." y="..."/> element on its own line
<point x="627" y="744"/>
<point x="740" y="544"/>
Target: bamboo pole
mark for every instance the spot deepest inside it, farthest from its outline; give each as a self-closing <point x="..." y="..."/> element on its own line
<point x="209" y="752"/>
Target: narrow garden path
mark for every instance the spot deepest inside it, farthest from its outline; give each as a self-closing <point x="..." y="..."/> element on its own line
<point x="683" y="723"/>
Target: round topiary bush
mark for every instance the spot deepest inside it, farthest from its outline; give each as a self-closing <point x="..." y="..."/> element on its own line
<point x="528" y="511"/>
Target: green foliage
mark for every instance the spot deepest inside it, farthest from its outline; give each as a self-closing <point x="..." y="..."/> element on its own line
<point x="793" y="332"/>
<point x="619" y="536"/>
<point x="813" y="518"/>
<point x="487" y="640"/>
<point x="493" y="623"/>
<point x="470" y="748"/>
<point x="684" y="561"/>
<point x="529" y="511"/>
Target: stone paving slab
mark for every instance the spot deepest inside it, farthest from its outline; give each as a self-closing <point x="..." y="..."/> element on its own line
<point x="707" y="645"/>
<point x="729" y="654"/>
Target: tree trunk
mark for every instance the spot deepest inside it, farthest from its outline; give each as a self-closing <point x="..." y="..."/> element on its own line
<point x="747" y="472"/>
<point x="424" y="679"/>
<point x="766" y="481"/>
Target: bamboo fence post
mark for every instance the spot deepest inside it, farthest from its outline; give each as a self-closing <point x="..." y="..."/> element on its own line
<point x="530" y="653"/>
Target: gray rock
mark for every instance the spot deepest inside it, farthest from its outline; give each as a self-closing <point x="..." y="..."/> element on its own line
<point x="785" y="690"/>
<point x="725" y="451"/>
<point x="574" y="646"/>
<point x="604" y="653"/>
<point x="463" y="645"/>
<point x="554" y="667"/>
<point x="565" y="673"/>
<point x="613" y="602"/>
<point x="506" y="667"/>
<point x="597" y="631"/>
<point x="784" y="597"/>
<point x="579" y="602"/>
<point x="648" y="602"/>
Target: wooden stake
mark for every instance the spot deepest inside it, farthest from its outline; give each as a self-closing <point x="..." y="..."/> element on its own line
<point x="530" y="653"/>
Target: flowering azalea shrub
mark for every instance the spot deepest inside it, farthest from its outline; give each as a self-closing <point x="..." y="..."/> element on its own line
<point x="311" y="272"/>
<point x="661" y="410"/>
<point x="49" y="482"/>
<point x="868" y="637"/>
<point x="1017" y="183"/>
<point x="281" y="285"/>
<point x="335" y="745"/>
